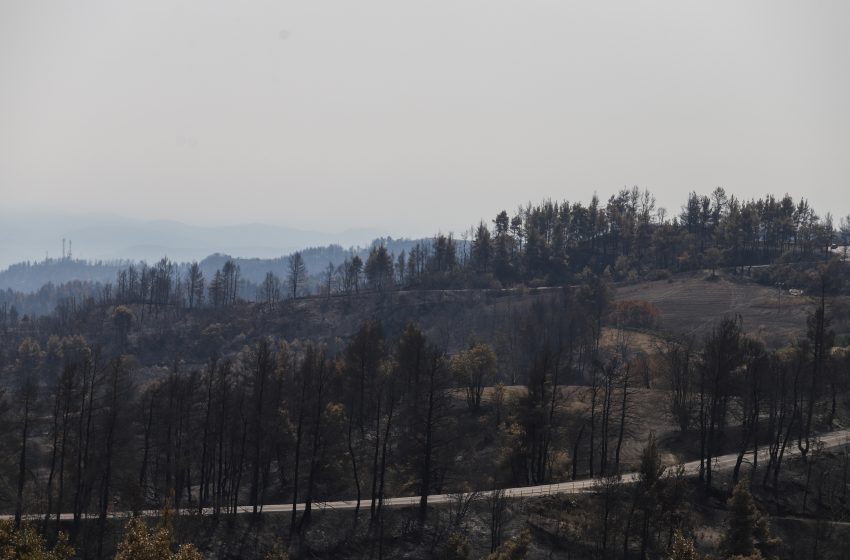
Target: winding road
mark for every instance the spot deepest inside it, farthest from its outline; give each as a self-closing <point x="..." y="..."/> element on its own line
<point x="829" y="440"/>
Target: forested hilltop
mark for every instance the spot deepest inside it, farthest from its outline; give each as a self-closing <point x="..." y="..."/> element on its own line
<point x="548" y="244"/>
<point x="277" y="413"/>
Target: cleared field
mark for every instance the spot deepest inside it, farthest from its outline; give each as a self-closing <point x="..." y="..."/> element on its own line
<point x="635" y="341"/>
<point x="692" y="305"/>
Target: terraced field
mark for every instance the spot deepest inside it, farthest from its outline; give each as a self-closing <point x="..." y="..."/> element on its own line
<point x="693" y="305"/>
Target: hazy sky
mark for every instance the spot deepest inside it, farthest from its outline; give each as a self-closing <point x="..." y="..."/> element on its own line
<point x="411" y="116"/>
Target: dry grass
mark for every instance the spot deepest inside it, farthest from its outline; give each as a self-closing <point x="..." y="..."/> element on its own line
<point x="634" y="340"/>
<point x="692" y="305"/>
<point x="647" y="414"/>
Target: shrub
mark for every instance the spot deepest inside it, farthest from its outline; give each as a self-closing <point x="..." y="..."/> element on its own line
<point x="635" y="314"/>
<point x="25" y="542"/>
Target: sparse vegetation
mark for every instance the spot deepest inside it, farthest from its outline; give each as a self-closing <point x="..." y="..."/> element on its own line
<point x="172" y="387"/>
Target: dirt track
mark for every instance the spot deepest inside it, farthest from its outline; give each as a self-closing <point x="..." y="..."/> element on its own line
<point x="831" y="440"/>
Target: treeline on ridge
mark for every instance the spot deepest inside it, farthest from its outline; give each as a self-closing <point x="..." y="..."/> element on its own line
<point x="549" y="244"/>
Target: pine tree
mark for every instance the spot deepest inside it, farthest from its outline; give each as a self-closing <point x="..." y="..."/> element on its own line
<point x="683" y="548"/>
<point x="297" y="274"/>
<point x="140" y="543"/>
<point x="482" y="251"/>
<point x="749" y="533"/>
<point x="379" y="268"/>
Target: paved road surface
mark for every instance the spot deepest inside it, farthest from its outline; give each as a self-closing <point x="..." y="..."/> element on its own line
<point x="830" y="440"/>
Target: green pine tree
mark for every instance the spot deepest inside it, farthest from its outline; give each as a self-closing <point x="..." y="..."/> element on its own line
<point x="749" y="534"/>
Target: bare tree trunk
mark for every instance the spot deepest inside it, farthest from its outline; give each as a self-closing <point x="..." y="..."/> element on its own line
<point x="259" y="390"/>
<point x="623" y="410"/>
<point x="314" y="455"/>
<point x="384" y="460"/>
<point x="53" y="454"/>
<point x="594" y="392"/>
<point x="576" y="446"/>
<point x="702" y="426"/>
<point x="61" y="496"/>
<point x="425" y="476"/>
<point x="144" y="468"/>
<point x="497" y="503"/>
<point x="353" y="465"/>
<point x="298" y="438"/>
<point x="374" y="504"/>
<point x="203" y="490"/>
<point x="110" y="444"/>
<point x="22" y="463"/>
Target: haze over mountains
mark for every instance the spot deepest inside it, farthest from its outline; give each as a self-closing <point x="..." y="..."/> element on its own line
<point x="32" y="237"/>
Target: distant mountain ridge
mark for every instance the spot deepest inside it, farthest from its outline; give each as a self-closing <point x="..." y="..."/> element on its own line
<point x="28" y="277"/>
<point x="100" y="237"/>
